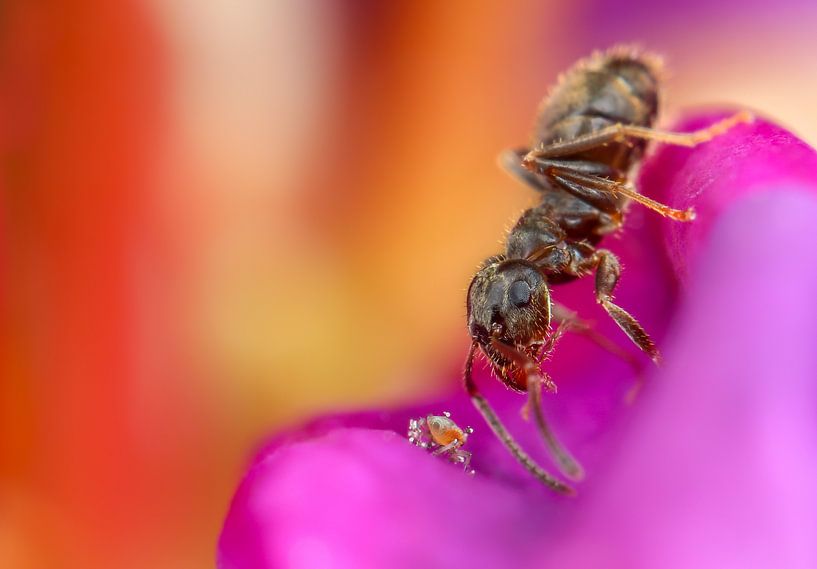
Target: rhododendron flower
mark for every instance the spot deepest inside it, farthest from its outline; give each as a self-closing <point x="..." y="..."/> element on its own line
<point x="713" y="465"/>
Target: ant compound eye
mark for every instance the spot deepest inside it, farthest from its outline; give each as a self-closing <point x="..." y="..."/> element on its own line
<point x="519" y="294"/>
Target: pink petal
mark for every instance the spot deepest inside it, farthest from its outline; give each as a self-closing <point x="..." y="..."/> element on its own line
<point x="719" y="464"/>
<point x="713" y="466"/>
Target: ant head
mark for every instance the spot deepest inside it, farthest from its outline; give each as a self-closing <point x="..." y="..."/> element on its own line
<point x="509" y="301"/>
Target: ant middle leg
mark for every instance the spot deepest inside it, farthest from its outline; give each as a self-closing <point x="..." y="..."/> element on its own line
<point x="598" y="190"/>
<point x="568" y="178"/>
<point x="621" y="132"/>
<point x="608" y="271"/>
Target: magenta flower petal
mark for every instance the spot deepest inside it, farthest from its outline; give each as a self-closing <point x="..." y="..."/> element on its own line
<point x="715" y="465"/>
<point x="746" y="159"/>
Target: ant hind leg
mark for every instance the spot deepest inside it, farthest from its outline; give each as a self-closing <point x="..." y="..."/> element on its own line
<point x="621" y="132"/>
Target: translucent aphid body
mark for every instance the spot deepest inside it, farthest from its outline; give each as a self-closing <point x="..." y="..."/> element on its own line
<point x="443" y="436"/>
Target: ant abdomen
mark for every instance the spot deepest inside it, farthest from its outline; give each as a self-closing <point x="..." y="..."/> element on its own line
<point x="617" y="87"/>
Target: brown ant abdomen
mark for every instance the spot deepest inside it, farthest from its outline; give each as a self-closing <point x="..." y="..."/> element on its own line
<point x="619" y="86"/>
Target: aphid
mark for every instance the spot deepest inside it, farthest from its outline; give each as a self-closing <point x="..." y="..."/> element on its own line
<point x="589" y="133"/>
<point x="440" y="433"/>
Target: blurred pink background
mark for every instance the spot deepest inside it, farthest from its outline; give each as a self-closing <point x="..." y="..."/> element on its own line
<point x="220" y="217"/>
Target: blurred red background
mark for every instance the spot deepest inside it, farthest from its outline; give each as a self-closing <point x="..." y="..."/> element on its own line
<point x="219" y="217"/>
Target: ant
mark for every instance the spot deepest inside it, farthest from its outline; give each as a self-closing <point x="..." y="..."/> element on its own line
<point x="441" y="433"/>
<point x="589" y="133"/>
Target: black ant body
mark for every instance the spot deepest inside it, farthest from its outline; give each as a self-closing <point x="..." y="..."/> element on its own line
<point x="589" y="133"/>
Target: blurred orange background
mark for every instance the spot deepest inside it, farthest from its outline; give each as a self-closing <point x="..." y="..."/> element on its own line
<point x="220" y="217"/>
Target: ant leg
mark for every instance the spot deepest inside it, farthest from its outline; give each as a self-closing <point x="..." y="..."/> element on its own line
<point x="600" y="198"/>
<point x="576" y="324"/>
<point x="564" y="460"/>
<point x="550" y="344"/>
<point x="510" y="160"/>
<point x="535" y="379"/>
<point x="608" y="271"/>
<point x="626" y="190"/>
<point x="502" y="433"/>
<point x="621" y="132"/>
<point x="580" y="326"/>
<point x="524" y="363"/>
<point x="600" y="192"/>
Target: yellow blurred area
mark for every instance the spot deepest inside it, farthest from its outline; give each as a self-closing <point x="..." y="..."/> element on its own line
<point x="339" y="279"/>
<point x="312" y="186"/>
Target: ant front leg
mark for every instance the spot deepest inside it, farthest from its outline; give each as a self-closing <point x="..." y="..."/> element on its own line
<point x="535" y="379"/>
<point x="608" y="271"/>
<point x="564" y="460"/>
<point x="502" y="433"/>
<point x="621" y="132"/>
<point x="580" y="326"/>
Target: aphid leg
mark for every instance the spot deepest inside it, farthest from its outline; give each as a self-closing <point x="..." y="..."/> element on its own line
<point x="502" y="433"/>
<point x="450" y="446"/>
<point x="566" y="463"/>
<point x="620" y="132"/>
<point x="510" y="160"/>
<point x="463" y="457"/>
<point x="608" y="270"/>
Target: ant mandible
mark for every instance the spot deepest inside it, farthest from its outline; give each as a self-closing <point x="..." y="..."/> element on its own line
<point x="589" y="134"/>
